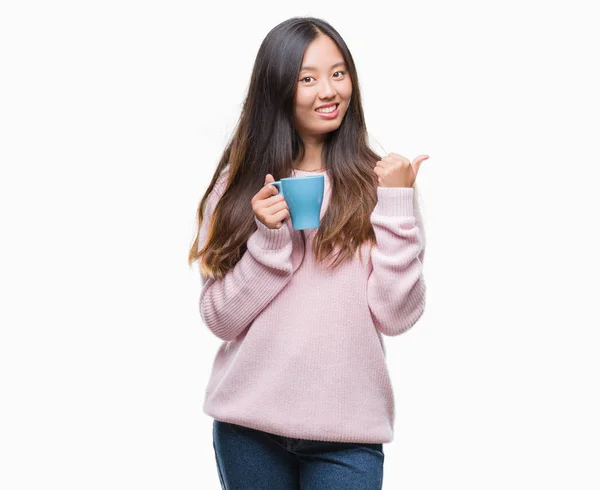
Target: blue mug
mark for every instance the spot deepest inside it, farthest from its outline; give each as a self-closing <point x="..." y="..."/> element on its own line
<point x="304" y="196"/>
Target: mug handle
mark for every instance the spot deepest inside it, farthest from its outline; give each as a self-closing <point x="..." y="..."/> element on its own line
<point x="279" y="187"/>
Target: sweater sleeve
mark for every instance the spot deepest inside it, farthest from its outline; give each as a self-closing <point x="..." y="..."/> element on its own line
<point x="396" y="287"/>
<point x="229" y="304"/>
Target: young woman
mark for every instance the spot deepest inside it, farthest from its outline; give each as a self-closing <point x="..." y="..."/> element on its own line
<point x="299" y="391"/>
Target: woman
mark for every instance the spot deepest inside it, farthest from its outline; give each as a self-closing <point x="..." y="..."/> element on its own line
<point x="299" y="390"/>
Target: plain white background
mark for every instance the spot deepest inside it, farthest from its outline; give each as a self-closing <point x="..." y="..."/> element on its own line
<point x="113" y="117"/>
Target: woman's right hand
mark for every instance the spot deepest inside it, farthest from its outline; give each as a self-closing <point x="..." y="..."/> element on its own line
<point x="269" y="206"/>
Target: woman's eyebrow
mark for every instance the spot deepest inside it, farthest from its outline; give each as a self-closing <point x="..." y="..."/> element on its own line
<point x="339" y="63"/>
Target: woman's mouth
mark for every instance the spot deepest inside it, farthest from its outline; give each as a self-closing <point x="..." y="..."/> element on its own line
<point x="328" y="112"/>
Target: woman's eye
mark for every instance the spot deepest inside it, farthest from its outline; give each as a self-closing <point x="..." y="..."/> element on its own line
<point x="340" y="71"/>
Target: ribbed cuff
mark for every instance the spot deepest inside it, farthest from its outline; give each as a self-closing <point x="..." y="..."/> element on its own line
<point x="271" y="238"/>
<point x="395" y="201"/>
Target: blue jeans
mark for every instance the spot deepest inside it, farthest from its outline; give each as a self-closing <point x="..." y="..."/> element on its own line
<point x="250" y="459"/>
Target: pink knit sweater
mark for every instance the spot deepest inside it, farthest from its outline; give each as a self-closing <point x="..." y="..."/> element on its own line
<point x="302" y="353"/>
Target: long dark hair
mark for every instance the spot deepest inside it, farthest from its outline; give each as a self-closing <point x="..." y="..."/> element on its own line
<point x="265" y="141"/>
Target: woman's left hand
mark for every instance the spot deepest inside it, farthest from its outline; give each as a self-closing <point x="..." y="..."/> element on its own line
<point x="395" y="170"/>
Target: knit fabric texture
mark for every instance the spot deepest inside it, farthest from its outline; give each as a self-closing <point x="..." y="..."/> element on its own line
<point x="303" y="354"/>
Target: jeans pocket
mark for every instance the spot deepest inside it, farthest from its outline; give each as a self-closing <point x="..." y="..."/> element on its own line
<point x="375" y="446"/>
<point x="239" y="428"/>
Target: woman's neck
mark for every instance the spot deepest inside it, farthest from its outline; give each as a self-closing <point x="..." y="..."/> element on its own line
<point x="313" y="156"/>
<point x="314" y="167"/>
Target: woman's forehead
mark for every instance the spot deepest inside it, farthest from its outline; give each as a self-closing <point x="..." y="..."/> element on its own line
<point x="322" y="54"/>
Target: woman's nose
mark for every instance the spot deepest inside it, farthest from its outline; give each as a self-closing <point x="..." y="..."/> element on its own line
<point x="327" y="90"/>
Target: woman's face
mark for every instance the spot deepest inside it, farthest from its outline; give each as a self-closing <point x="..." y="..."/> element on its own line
<point x="322" y="81"/>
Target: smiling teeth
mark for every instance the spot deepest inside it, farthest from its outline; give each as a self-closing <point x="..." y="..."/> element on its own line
<point x="328" y="109"/>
